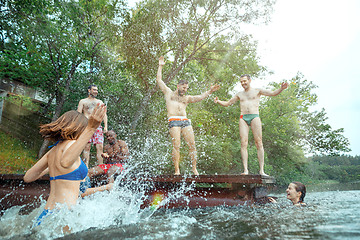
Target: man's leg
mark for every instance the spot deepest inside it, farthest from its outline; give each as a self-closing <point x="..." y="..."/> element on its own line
<point x="176" y="140"/>
<point x="87" y="154"/>
<point x="95" y="171"/>
<point x="111" y="172"/>
<point x="257" y="132"/>
<point x="99" y="151"/>
<point x="188" y="134"/>
<point x="244" y="137"/>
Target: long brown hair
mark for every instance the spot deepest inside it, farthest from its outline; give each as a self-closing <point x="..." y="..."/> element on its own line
<point x="299" y="187"/>
<point x="67" y="127"/>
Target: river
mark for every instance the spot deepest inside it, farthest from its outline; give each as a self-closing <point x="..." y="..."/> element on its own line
<point x="117" y="215"/>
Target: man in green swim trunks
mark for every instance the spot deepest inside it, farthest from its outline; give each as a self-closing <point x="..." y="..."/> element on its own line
<point x="249" y="106"/>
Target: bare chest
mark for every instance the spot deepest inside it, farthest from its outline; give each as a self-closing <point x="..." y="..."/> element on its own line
<point x="111" y="148"/>
<point x="251" y="96"/>
<point x="90" y="105"/>
<point x="176" y="99"/>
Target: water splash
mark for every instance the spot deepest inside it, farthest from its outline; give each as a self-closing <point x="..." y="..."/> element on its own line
<point x="122" y="206"/>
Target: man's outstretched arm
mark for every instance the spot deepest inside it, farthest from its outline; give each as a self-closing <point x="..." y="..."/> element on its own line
<point x="265" y="92"/>
<point x="226" y="103"/>
<point x="198" y="98"/>
<point x="159" y="80"/>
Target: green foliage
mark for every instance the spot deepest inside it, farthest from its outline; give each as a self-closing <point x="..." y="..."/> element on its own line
<point x="15" y="156"/>
<point x="290" y="128"/>
<point x="24" y="101"/>
<point x="341" y="168"/>
<point x="61" y="47"/>
<point x="47" y="44"/>
<point x="192" y="35"/>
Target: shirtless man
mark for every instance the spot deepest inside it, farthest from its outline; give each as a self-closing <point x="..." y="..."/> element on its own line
<point x="115" y="155"/>
<point x="86" y="106"/>
<point x="176" y="103"/>
<point x="249" y="117"/>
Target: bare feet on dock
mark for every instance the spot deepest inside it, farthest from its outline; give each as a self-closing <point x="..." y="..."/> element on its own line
<point x="195" y="172"/>
<point x="263" y="174"/>
<point x="177" y="173"/>
<point x="245" y="173"/>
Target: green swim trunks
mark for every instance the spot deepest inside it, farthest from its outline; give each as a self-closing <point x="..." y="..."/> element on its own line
<point x="249" y="117"/>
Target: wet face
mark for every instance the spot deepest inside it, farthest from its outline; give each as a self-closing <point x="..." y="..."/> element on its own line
<point x="182" y="89"/>
<point x="93" y="92"/>
<point x="292" y="194"/>
<point x="245" y="82"/>
<point x="111" y="137"/>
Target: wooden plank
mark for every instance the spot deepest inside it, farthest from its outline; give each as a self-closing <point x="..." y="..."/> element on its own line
<point x="246" y="179"/>
<point x="20" y="177"/>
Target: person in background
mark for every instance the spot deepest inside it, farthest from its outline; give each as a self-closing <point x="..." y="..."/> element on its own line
<point x="115" y="155"/>
<point x="86" y="106"/>
<point x="71" y="132"/>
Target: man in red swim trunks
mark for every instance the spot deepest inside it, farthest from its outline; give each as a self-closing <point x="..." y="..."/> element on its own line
<point x="86" y="106"/>
<point x="115" y="155"/>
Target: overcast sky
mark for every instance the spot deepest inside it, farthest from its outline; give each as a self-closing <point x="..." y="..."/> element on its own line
<point x="320" y="39"/>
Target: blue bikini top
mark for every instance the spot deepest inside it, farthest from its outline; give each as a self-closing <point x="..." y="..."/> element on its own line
<point x="78" y="174"/>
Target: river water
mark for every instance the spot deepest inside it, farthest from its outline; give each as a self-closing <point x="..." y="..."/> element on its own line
<point x="117" y="215"/>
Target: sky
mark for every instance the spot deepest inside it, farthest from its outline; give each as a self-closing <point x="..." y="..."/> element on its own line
<point x="321" y="40"/>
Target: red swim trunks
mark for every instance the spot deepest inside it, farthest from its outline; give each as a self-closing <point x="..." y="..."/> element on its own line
<point x="98" y="137"/>
<point x="106" y="167"/>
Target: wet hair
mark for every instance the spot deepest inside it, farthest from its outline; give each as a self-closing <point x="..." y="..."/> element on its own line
<point x="299" y="187"/>
<point x="182" y="82"/>
<point x="246" y="75"/>
<point x="67" y="127"/>
<point x="91" y="86"/>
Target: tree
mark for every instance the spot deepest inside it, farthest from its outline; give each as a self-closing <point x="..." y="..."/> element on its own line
<point x="47" y="43"/>
<point x="291" y="129"/>
<point x="187" y="31"/>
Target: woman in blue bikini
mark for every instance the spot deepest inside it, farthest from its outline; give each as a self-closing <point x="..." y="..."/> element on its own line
<point x="72" y="132"/>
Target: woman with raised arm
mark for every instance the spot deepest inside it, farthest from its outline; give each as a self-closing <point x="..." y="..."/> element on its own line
<point x="71" y="132"/>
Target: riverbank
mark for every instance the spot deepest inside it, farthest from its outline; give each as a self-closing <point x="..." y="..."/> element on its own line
<point x="321" y="186"/>
<point x="333" y="186"/>
<point x="15" y="156"/>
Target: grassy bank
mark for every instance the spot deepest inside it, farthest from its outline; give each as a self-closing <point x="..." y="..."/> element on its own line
<point x="15" y="156"/>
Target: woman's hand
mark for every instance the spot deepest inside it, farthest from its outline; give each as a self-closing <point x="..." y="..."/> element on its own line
<point x="272" y="200"/>
<point x="97" y="116"/>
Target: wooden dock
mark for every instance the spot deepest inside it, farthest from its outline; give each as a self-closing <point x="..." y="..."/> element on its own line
<point x="243" y="179"/>
<point x="206" y="190"/>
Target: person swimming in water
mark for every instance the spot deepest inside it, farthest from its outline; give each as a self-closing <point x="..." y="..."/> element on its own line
<point x="296" y="192"/>
<point x="72" y="132"/>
